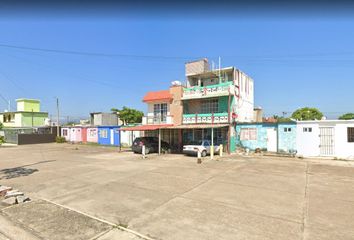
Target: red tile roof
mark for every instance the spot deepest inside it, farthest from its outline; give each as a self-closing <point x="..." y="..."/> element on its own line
<point x="158" y="96"/>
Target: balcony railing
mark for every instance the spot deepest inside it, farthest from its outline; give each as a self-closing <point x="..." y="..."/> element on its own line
<point x="222" y="89"/>
<point x="205" y="118"/>
<point x="156" y="120"/>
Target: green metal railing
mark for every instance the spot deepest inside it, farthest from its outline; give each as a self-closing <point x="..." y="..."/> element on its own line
<point x="196" y="88"/>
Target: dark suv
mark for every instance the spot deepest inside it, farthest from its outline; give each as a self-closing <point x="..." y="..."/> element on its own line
<point x="151" y="145"/>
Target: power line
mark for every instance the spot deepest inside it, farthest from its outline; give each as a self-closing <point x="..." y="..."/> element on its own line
<point x="93" y="54"/>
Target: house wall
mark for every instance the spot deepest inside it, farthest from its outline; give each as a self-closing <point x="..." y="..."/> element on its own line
<point x="261" y="140"/>
<point x="28" y="105"/>
<point x="65" y="132"/>
<point x="127" y="137"/>
<point x="343" y="148"/>
<point x="105" y="139"/>
<point x="176" y="107"/>
<point x="92" y="135"/>
<point x="26" y="119"/>
<point x="244" y="104"/>
<point x="105" y="119"/>
<point x="307" y="143"/>
<point x="286" y="139"/>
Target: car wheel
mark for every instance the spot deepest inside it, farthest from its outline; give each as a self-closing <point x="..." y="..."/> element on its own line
<point x="147" y="150"/>
<point x="204" y="153"/>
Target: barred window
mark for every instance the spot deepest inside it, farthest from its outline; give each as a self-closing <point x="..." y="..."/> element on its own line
<point x="210" y="106"/>
<point x="350" y="133"/>
<point x="103" y="133"/>
<point x="248" y="134"/>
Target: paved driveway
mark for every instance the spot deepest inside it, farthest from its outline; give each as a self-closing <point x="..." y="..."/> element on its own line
<point x="172" y="197"/>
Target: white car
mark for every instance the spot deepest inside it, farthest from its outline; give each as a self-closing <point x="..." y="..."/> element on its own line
<point x="203" y="146"/>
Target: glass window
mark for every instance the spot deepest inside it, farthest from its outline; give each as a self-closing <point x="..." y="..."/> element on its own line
<point x="248" y="134"/>
<point x="103" y="133"/>
<point x="210" y="106"/>
<point x="160" y="112"/>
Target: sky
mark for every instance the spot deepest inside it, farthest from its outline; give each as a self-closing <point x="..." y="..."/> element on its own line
<point x="295" y="61"/>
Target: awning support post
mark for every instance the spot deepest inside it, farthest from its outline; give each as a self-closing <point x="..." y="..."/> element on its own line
<point x="159" y="141"/>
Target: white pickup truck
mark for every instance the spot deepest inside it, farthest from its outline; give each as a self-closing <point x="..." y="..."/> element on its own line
<point x="203" y="146"/>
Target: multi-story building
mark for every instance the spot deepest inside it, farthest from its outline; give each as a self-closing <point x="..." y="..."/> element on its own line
<point x="208" y="104"/>
<point x="28" y="114"/>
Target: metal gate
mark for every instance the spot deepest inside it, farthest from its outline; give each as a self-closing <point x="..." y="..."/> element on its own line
<point x="326" y="141"/>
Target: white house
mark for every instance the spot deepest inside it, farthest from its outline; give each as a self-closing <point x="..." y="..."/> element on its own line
<point x="325" y="138"/>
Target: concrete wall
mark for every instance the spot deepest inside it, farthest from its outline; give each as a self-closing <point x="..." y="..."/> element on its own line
<point x="343" y="148"/>
<point x="261" y="140"/>
<point x="307" y="143"/>
<point x="35" y="138"/>
<point x="176" y="107"/>
<point x="287" y="137"/>
<point x="38" y="119"/>
<point x="244" y="103"/>
<point x="28" y="105"/>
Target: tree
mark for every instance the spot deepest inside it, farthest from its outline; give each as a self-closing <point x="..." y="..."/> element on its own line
<point x="347" y="116"/>
<point x="2" y="140"/>
<point x="307" y="113"/>
<point x="129" y="115"/>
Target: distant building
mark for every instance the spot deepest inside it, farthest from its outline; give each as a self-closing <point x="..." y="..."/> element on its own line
<point x="28" y="114"/>
<point x="104" y="119"/>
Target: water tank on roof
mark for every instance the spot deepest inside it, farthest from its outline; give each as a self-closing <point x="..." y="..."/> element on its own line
<point x="176" y="83"/>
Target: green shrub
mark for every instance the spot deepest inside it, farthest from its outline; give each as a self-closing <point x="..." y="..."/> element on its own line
<point x="2" y="140"/>
<point x="60" y="139"/>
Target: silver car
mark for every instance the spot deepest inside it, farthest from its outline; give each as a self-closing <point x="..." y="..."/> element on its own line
<point x="203" y="146"/>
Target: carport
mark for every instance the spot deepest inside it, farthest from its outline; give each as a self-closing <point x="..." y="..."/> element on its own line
<point x="204" y="131"/>
<point x="150" y="128"/>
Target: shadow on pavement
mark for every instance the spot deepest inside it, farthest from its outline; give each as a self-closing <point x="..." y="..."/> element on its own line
<point x="9" y="173"/>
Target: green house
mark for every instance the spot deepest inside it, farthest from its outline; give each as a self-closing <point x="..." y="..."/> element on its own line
<point x="28" y="114"/>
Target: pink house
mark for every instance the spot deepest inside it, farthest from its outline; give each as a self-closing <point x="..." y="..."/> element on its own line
<point x="92" y="134"/>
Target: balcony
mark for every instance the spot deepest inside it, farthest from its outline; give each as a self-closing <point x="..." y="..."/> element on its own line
<point x="157" y="120"/>
<point x="222" y="89"/>
<point x="205" y="118"/>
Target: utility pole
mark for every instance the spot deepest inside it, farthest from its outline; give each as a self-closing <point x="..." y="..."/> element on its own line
<point x="58" y="117"/>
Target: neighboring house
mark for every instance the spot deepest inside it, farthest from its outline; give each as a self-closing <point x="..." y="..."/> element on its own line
<point x="209" y="104"/>
<point x="326" y="138"/>
<point x="104" y="119"/>
<point x="28" y="114"/>
<point x="272" y="137"/>
<point x="108" y="135"/>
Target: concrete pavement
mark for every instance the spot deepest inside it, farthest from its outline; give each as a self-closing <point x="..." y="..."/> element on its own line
<point x="172" y="197"/>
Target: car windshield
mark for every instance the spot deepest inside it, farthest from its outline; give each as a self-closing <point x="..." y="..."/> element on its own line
<point x="199" y="142"/>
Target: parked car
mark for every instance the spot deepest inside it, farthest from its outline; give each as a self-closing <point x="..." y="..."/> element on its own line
<point x="151" y="145"/>
<point x="203" y="146"/>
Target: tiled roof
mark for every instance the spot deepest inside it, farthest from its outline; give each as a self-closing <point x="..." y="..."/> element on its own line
<point x="158" y="96"/>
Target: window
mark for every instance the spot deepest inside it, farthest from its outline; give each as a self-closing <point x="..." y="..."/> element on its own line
<point x="248" y="134"/>
<point x="210" y="106"/>
<point x="92" y="133"/>
<point x="103" y="133"/>
<point x="350" y="133"/>
<point x="287" y="129"/>
<point x="160" y="112"/>
<point x="307" y="129"/>
<point x="65" y="132"/>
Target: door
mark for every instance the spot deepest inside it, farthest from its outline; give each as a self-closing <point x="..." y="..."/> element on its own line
<point x="326" y="141"/>
<point x="112" y="136"/>
<point x="271" y="140"/>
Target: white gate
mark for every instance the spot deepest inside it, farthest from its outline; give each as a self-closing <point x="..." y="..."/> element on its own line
<point x="271" y="140"/>
<point x="326" y="141"/>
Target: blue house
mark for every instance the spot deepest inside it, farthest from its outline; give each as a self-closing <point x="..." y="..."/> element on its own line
<point x="108" y="135"/>
<point x="287" y="137"/>
<point x="272" y="137"/>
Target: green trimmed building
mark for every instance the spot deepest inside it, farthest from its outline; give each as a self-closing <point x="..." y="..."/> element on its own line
<point x="28" y="114"/>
